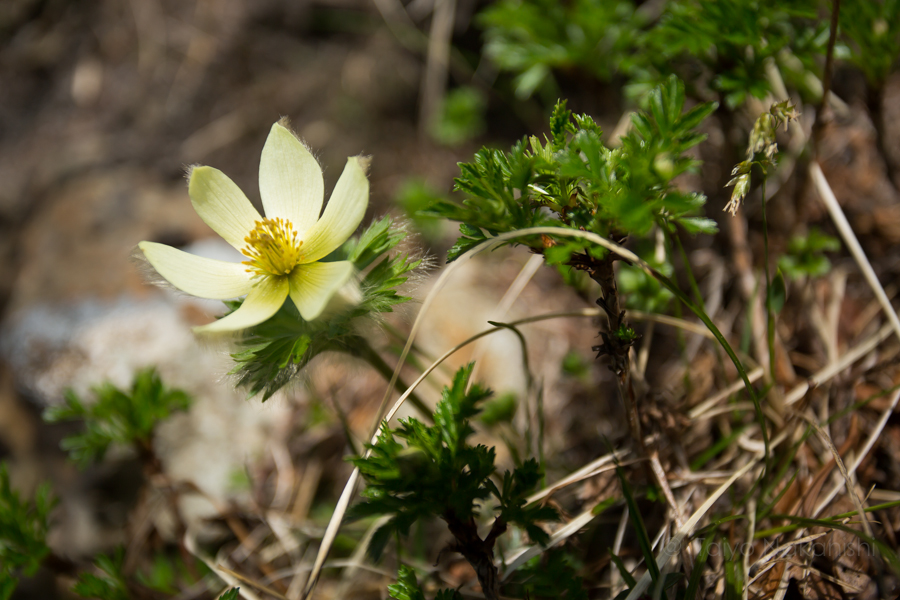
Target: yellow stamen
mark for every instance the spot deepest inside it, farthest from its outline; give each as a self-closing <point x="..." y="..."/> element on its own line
<point x="272" y="247"/>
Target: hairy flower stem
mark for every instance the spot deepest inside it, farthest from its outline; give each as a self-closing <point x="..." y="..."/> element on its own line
<point x="479" y="553"/>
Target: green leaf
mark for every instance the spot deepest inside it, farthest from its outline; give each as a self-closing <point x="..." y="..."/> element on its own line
<point x="805" y="256"/>
<point x="436" y="473"/>
<point x="734" y="572"/>
<point x="375" y="241"/>
<point x="630" y="581"/>
<point x="471" y="237"/>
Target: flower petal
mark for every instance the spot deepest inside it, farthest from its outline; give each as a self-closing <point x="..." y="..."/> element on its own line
<point x="342" y="215"/>
<point x="290" y="180"/>
<point x="262" y="302"/>
<point x="222" y="205"/>
<point x="196" y="275"/>
<point x="313" y="285"/>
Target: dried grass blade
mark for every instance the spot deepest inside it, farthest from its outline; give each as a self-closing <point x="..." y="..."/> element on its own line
<point x="674" y="546"/>
<point x="843" y="226"/>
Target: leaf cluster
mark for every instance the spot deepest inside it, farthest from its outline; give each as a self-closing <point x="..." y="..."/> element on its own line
<point x="108" y="584"/>
<point x="642" y="291"/>
<point x="273" y="352"/>
<point x="435" y="472"/>
<point x="871" y="31"/>
<point x="23" y="532"/>
<point x="574" y="180"/>
<point x="535" y="37"/>
<point x="165" y="575"/>
<point x="727" y="45"/>
<point x="805" y="255"/>
<point x="117" y="416"/>
<point x="723" y="46"/>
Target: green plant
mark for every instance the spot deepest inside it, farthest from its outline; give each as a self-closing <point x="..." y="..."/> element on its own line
<point x="117" y="416"/>
<point x="23" y="532"/>
<point x="872" y="31"/>
<point x="722" y="46"/>
<point x="533" y="38"/>
<point x="727" y="45"/>
<point x="805" y="255"/>
<point x="109" y="582"/>
<point x="574" y="181"/>
<point x="437" y="473"/>
<point x="621" y="214"/>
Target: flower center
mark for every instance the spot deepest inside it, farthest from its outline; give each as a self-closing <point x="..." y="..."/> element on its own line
<point x="272" y="247"/>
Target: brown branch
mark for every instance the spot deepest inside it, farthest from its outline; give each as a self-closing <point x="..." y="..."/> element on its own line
<point x="603" y="272"/>
<point x="479" y="553"/>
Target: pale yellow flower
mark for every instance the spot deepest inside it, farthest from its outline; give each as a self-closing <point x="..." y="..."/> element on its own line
<point x="284" y="250"/>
